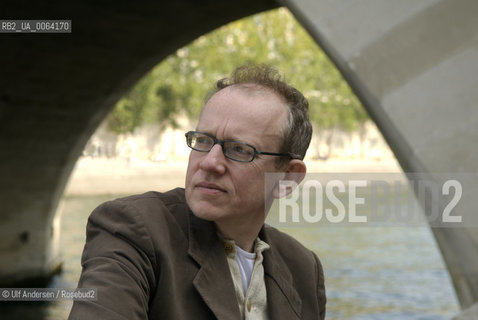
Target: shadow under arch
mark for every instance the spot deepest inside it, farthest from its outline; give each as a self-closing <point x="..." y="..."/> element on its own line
<point x="56" y="89"/>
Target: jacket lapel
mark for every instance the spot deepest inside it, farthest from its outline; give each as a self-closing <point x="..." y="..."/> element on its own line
<point x="283" y="301"/>
<point x="213" y="280"/>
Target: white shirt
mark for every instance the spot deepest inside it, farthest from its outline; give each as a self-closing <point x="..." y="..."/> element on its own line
<point x="245" y="260"/>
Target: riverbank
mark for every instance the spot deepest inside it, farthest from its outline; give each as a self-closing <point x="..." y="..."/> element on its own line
<point x="96" y="176"/>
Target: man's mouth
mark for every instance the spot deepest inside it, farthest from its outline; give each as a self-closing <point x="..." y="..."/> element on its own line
<point x="210" y="188"/>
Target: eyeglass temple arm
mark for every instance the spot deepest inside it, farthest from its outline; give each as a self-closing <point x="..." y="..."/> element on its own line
<point x="288" y="154"/>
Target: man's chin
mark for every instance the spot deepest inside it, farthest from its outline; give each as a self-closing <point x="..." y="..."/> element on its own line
<point x="205" y="214"/>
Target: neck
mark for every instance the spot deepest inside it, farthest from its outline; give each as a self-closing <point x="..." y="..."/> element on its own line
<point x="243" y="238"/>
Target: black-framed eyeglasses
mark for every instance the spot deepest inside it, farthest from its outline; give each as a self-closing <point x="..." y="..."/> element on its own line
<point x="234" y="150"/>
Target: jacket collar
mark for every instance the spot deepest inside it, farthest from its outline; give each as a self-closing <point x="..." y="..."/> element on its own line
<point x="283" y="300"/>
<point x="214" y="281"/>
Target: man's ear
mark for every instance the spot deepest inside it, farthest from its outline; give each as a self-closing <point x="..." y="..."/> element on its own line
<point x="293" y="176"/>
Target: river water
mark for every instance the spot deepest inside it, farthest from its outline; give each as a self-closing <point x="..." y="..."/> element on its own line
<point x="370" y="272"/>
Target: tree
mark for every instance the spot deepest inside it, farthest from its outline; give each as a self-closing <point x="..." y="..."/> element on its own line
<point x="178" y="84"/>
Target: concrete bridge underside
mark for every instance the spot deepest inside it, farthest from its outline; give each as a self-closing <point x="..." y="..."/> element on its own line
<point x="413" y="64"/>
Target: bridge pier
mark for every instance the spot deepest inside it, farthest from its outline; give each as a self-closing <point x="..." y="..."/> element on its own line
<point x="30" y="249"/>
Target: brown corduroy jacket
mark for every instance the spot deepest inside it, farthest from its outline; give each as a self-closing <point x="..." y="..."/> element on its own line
<point x="149" y="257"/>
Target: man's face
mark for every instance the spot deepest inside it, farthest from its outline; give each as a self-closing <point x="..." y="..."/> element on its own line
<point x="225" y="191"/>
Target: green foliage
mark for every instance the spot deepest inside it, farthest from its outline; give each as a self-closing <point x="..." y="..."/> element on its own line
<point x="180" y="83"/>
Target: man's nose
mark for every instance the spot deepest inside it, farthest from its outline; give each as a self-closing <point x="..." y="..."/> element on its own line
<point x="214" y="160"/>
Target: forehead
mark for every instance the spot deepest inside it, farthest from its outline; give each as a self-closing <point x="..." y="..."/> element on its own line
<point x="244" y="111"/>
<point x="244" y="106"/>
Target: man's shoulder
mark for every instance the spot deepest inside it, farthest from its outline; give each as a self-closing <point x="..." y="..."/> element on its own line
<point x="148" y="208"/>
<point x="169" y="198"/>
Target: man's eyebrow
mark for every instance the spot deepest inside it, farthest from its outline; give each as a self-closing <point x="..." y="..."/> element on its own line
<point x="233" y="138"/>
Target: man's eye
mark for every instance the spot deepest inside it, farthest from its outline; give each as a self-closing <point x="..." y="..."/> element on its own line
<point x="241" y="149"/>
<point x="202" y="140"/>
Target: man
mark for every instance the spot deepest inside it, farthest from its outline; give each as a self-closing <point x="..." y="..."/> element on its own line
<point x="203" y="252"/>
